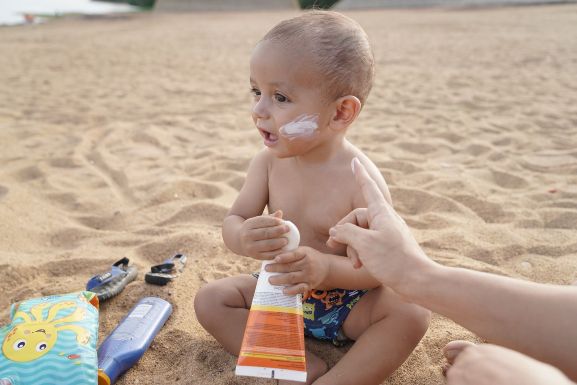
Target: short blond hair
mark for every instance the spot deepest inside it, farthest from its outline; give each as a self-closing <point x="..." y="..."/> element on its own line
<point x="339" y="47"/>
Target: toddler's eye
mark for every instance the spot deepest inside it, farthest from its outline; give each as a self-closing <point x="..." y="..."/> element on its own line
<point x="280" y="98"/>
<point x="254" y="92"/>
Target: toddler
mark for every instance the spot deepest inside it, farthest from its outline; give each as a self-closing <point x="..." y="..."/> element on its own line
<point x="309" y="77"/>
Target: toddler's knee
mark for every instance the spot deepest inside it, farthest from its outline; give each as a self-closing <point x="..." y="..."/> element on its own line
<point x="419" y="319"/>
<point x="203" y="302"/>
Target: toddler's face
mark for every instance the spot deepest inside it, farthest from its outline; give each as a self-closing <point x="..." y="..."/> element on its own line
<point x="286" y="93"/>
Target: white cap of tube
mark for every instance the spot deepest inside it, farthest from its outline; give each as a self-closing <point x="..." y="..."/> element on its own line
<point x="293" y="236"/>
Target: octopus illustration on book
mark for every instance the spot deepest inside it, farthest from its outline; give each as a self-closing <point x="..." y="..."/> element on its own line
<point x="35" y="337"/>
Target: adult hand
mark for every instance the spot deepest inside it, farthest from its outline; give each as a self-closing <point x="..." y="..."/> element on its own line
<point x="377" y="237"/>
<point x="262" y="237"/>
<point x="303" y="270"/>
<point x="486" y="364"/>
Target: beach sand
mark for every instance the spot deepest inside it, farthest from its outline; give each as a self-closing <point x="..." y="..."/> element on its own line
<point x="129" y="136"/>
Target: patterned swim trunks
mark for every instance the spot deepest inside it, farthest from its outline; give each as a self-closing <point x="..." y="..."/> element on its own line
<point x="325" y="312"/>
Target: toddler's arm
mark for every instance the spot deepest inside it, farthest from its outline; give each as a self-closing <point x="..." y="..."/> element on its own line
<point x="309" y="269"/>
<point x="245" y="230"/>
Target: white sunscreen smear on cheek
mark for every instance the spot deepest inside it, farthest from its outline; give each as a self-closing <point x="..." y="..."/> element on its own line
<point x="303" y="126"/>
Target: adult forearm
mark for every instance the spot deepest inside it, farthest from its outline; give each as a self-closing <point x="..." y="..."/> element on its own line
<point x="536" y="319"/>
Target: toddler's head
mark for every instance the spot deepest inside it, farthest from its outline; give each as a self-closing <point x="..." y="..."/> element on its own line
<point x="336" y="46"/>
<point x="309" y="74"/>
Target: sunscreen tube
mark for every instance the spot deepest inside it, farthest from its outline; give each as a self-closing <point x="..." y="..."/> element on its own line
<point x="128" y="342"/>
<point x="273" y="345"/>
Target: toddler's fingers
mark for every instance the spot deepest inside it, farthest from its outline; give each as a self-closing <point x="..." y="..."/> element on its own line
<point x="264" y="221"/>
<point x="347" y="234"/>
<point x="277" y="214"/>
<point x="290" y="257"/>
<point x="269" y="255"/>
<point x="270" y="244"/>
<point x="354" y="257"/>
<point x="358" y="216"/>
<point x="268" y="232"/>
<point x="301" y="288"/>
<point x="289" y="278"/>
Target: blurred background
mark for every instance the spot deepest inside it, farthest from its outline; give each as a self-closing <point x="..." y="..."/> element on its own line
<point x="35" y="11"/>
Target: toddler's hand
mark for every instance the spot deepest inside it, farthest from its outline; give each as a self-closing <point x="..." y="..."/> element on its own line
<point x="262" y="237"/>
<point x="303" y="270"/>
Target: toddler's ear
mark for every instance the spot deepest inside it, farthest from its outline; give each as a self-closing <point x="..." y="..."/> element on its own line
<point x="347" y="108"/>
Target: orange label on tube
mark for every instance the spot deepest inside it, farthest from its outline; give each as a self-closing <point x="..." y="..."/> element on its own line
<point x="273" y="345"/>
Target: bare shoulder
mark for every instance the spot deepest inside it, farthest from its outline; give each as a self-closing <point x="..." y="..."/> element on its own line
<point x="262" y="160"/>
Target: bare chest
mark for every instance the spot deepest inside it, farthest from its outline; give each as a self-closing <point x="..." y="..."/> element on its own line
<point x="313" y="204"/>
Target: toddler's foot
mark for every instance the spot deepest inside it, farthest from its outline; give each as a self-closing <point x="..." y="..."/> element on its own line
<point x="452" y="350"/>
<point x="316" y="367"/>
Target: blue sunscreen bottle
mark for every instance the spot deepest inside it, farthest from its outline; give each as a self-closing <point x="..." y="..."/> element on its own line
<point x="128" y="342"/>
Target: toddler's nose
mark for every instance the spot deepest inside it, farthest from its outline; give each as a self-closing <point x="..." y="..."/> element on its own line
<point x="260" y="109"/>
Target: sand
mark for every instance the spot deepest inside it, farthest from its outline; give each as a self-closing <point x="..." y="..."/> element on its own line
<point x="130" y="137"/>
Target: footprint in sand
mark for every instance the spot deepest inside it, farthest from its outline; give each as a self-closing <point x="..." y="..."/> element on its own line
<point x="69" y="238"/>
<point x="557" y="219"/>
<point x="552" y="162"/>
<point x="414" y="202"/>
<point x="508" y="181"/>
<point x="3" y="191"/>
<point x="63" y="163"/>
<point x="404" y="167"/>
<point x="29" y="173"/>
<point x="488" y="211"/>
<point x="237" y="183"/>
<point x="112" y="222"/>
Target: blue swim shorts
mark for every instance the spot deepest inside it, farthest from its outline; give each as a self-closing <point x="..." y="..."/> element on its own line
<point x="325" y="312"/>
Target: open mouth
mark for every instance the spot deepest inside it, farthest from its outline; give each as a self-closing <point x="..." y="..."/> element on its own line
<point x="270" y="139"/>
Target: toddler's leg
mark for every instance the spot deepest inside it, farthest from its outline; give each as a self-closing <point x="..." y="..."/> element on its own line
<point x="222" y="308"/>
<point x="316" y="367"/>
<point x="386" y="330"/>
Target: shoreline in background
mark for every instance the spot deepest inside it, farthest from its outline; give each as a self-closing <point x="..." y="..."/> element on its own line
<point x="34" y="12"/>
<point x="404" y="4"/>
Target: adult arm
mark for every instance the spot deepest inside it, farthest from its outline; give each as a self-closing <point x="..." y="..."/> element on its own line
<point x="535" y="319"/>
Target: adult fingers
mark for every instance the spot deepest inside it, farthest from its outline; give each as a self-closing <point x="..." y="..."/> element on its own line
<point x="454" y="348"/>
<point x="268" y="232"/>
<point x="368" y="186"/>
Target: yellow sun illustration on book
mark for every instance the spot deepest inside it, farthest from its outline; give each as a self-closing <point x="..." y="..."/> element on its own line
<point x="35" y="337"/>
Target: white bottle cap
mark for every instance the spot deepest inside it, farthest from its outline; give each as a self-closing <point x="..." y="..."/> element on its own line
<point x="293" y="236"/>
